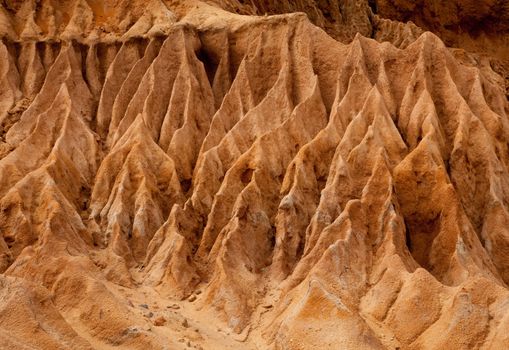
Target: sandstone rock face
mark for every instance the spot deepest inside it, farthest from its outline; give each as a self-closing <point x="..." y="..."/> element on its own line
<point x="175" y="175"/>
<point x="477" y="26"/>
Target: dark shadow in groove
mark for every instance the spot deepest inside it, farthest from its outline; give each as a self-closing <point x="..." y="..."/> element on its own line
<point x="408" y="238"/>
<point x="373" y="6"/>
<point x="209" y="62"/>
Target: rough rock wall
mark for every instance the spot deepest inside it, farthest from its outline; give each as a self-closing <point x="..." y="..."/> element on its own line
<point x="481" y="27"/>
<point x="202" y="179"/>
<point x="341" y="19"/>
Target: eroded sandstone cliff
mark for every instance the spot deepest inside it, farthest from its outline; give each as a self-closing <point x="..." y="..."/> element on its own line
<point x="175" y="175"/>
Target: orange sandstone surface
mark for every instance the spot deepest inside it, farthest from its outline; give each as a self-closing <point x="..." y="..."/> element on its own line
<point x="259" y="174"/>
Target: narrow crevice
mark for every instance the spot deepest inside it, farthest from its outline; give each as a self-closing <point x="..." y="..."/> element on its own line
<point x="408" y="239"/>
<point x="373" y="6"/>
<point x="420" y="234"/>
<point x="210" y="64"/>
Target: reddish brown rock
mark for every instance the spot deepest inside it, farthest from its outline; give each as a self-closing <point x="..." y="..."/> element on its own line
<point x="160" y="321"/>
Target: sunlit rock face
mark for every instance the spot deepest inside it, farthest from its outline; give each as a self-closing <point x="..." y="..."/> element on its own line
<point x="240" y="175"/>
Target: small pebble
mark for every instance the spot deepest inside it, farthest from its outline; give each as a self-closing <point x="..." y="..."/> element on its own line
<point x="160" y="321"/>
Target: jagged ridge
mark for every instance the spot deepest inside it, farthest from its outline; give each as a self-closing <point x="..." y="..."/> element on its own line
<point x="346" y="188"/>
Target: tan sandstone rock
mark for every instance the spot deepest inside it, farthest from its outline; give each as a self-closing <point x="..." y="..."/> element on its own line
<point x="282" y="174"/>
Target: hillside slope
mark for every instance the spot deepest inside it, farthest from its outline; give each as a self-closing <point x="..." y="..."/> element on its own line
<point x="175" y="175"/>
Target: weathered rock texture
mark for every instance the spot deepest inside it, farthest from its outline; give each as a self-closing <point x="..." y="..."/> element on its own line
<point x="174" y="175"/>
<point x="481" y="27"/>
